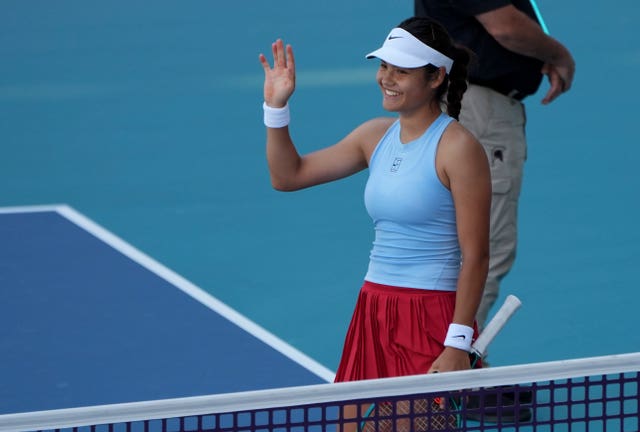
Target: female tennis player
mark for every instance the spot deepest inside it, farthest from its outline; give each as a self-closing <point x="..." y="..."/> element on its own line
<point x="428" y="193"/>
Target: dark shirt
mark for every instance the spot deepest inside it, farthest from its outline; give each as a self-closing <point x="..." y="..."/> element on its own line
<point x="495" y="67"/>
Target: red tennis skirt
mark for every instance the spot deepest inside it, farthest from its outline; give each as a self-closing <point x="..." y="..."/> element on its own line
<point x="395" y="332"/>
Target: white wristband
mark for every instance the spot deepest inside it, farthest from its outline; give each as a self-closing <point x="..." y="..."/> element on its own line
<point x="459" y="336"/>
<point x="276" y="117"/>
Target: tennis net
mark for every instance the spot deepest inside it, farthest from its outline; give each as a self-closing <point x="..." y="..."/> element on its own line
<point x="589" y="394"/>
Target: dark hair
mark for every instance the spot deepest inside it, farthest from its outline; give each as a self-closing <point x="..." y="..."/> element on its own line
<point x="432" y="33"/>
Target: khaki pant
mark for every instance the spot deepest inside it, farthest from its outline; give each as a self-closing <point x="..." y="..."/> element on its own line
<point x="498" y="122"/>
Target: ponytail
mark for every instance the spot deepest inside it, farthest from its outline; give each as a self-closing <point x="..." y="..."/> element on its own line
<point x="457" y="80"/>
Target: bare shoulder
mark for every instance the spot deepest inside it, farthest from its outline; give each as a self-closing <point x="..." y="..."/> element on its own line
<point x="375" y="127"/>
<point x="456" y="132"/>
<point x="460" y="152"/>
<point x="369" y="133"/>
<point x="382" y="122"/>
<point x="457" y="141"/>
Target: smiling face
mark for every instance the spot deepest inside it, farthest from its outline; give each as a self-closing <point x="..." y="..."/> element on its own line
<point x="406" y="90"/>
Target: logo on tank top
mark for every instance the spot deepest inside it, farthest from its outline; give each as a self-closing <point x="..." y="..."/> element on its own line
<point x="395" y="166"/>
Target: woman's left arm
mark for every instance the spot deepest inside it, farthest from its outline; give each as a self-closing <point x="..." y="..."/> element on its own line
<point x="463" y="166"/>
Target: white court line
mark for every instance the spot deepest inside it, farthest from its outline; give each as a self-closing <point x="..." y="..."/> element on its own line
<point x="181" y="283"/>
<point x="29" y="209"/>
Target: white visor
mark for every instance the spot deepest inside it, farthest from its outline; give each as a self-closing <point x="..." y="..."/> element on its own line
<point x="402" y="49"/>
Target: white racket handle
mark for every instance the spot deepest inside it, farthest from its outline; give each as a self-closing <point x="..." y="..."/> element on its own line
<point x="508" y="308"/>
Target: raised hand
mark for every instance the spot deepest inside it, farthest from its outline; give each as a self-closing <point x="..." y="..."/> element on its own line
<point x="279" y="81"/>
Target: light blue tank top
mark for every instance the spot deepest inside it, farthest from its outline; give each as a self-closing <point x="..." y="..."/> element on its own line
<point x="416" y="242"/>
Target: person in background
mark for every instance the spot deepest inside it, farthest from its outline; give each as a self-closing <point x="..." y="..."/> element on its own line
<point x="428" y="194"/>
<point x="513" y="53"/>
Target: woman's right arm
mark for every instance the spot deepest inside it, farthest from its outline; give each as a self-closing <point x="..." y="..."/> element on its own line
<point x="290" y="171"/>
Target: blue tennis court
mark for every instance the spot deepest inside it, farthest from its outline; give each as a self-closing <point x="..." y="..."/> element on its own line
<point x="144" y="120"/>
<point x="89" y="320"/>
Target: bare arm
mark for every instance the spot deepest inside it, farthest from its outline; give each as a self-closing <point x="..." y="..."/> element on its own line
<point x="288" y="169"/>
<point x="517" y="32"/>
<point x="470" y="183"/>
<point x="463" y="167"/>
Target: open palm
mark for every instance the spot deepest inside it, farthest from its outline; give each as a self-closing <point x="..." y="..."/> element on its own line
<point x="279" y="80"/>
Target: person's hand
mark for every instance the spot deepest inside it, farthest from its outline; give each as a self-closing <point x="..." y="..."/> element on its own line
<point x="451" y="359"/>
<point x="566" y="68"/>
<point x="279" y="81"/>
<point x="560" y="75"/>
<point x="557" y="85"/>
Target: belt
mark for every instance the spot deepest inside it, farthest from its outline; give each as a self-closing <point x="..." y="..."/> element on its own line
<point x="500" y="87"/>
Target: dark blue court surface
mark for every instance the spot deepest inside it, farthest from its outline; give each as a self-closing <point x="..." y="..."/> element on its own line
<point x="87" y="320"/>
